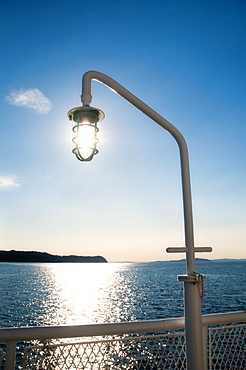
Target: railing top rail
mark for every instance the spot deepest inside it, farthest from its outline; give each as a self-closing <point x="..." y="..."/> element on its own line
<point x="70" y="331"/>
<point x="132" y="327"/>
<point x="224" y="318"/>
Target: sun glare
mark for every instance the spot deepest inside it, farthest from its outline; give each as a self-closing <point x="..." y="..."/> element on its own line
<point x="80" y="288"/>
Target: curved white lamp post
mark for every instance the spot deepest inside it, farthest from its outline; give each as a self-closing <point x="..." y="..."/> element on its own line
<point x="86" y="119"/>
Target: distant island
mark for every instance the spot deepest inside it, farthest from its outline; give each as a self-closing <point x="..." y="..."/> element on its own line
<point x="197" y="260"/>
<point x="215" y="260"/>
<point x="32" y="256"/>
<point x="205" y="260"/>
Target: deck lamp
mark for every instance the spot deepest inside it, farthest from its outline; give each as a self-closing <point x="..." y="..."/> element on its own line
<point x="85" y="129"/>
<point x="86" y="119"/>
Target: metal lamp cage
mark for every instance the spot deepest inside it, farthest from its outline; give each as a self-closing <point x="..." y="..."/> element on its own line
<point x="85" y="117"/>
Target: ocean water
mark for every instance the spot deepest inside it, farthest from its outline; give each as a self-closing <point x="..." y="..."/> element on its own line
<point x="64" y="293"/>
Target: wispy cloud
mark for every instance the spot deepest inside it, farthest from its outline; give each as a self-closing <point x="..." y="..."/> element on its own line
<point x="31" y="99"/>
<point x="8" y="182"/>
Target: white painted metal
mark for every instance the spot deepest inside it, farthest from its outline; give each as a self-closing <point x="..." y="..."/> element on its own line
<point x="72" y="331"/>
<point x="193" y="316"/>
<point x="227" y="348"/>
<point x="13" y="335"/>
<point x="183" y="249"/>
<point x="10" y="355"/>
<point x="1" y="357"/>
<point x="164" y="351"/>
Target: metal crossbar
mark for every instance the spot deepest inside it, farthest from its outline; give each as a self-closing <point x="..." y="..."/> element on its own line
<point x="227" y="347"/>
<point x="164" y="351"/>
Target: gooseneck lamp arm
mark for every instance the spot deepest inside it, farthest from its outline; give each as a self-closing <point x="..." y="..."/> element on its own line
<point x="193" y="317"/>
<point x="86" y="98"/>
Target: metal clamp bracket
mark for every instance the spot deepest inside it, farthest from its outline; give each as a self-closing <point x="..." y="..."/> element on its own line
<point x="194" y="278"/>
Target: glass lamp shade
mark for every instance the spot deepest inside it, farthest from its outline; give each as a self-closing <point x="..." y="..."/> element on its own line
<point x="85" y="129"/>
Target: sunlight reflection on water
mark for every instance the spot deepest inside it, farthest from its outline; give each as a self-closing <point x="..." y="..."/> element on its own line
<point x="63" y="293"/>
<point x="81" y="293"/>
<point x="86" y="292"/>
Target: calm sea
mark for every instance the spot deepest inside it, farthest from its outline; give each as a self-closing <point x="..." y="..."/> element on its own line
<point x="64" y="293"/>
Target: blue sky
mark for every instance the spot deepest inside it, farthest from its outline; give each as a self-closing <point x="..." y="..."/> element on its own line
<point x="186" y="59"/>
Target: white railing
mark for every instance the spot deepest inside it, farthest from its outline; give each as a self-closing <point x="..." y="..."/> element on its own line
<point x="138" y="352"/>
<point x="227" y="345"/>
<point x="113" y="346"/>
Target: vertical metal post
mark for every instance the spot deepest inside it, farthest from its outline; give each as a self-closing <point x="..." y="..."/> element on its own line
<point x="10" y="356"/>
<point x="192" y="298"/>
<point x="205" y="345"/>
<point x="193" y="327"/>
<point x="193" y="315"/>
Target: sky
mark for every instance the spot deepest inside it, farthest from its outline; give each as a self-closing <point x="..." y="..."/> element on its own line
<point x="185" y="59"/>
